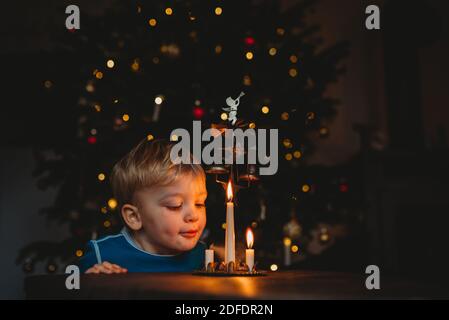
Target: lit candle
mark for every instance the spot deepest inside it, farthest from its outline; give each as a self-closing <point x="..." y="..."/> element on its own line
<point x="249" y="251"/>
<point x="287" y="254"/>
<point x="230" y="235"/>
<point x="209" y="257"/>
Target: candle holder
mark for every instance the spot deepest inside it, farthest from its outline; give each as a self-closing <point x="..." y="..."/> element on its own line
<point x="232" y="177"/>
<point x="222" y="270"/>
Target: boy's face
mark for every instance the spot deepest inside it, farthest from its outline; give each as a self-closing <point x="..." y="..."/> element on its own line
<point x="173" y="217"/>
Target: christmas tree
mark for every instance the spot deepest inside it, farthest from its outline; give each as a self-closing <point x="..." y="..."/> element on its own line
<point x="146" y="68"/>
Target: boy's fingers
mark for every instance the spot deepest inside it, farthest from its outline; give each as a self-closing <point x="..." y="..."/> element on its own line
<point x="107" y="265"/>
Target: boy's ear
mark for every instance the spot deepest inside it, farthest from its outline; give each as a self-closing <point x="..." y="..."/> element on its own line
<point x="131" y="216"/>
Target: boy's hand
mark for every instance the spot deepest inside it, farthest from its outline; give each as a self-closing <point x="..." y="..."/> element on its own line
<point x="106" y="267"/>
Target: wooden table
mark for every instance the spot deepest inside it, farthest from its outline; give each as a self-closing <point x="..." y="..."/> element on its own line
<point x="276" y="285"/>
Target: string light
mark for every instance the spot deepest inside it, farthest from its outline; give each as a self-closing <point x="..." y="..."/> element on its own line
<point x="295" y="248"/>
<point x="90" y="87"/>
<point x="254" y="224"/>
<point x="79" y="253"/>
<point x="293" y="72"/>
<point x="280" y="31"/>
<point x="249" y="55"/>
<point x="293" y="58"/>
<point x="92" y="140"/>
<point x="218" y="49"/>
<point x="168" y="11"/>
<point x="252" y="125"/>
<point x="155" y="60"/>
<point x="224" y="116"/>
<point x="272" y="51"/>
<point x="174" y="137"/>
<point x="324" y="131"/>
<point x="107" y="224"/>
<point x="285" y="116"/>
<point x="125" y="117"/>
<point x="112" y="203"/>
<point x="218" y="11"/>
<point x="104" y="210"/>
<point x="265" y="109"/>
<point x="135" y="65"/>
<point x="247" y="80"/>
<point x="287" y="242"/>
<point x="274" y="267"/>
<point x="97" y="107"/>
<point x="101" y="176"/>
<point x="150" y="137"/>
<point x="305" y="188"/>
<point x="48" y="84"/>
<point x="288" y="157"/>
<point x="99" y="75"/>
<point x="110" y="63"/>
<point x="152" y="22"/>
<point x="223" y="225"/>
<point x="158" y="99"/>
<point x="287" y="143"/>
<point x="310" y="115"/>
<point x="297" y="154"/>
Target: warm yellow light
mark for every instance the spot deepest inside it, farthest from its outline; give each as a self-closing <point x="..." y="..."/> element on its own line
<point x="107" y="224"/>
<point x="297" y="154"/>
<point x="249" y="55"/>
<point x="272" y="51"/>
<point x="48" y="84"/>
<point x="115" y="100"/>
<point x="305" y="188"/>
<point x="150" y="137"/>
<point x="293" y="72"/>
<point x="97" y="107"/>
<point x="310" y="115"/>
<point x="174" y="137"/>
<point x="324" y="237"/>
<point x="90" y="87"/>
<point x="79" y="253"/>
<point x="280" y="31"/>
<point x="218" y="11"/>
<point x="295" y="248"/>
<point x="112" y="203"/>
<point x="285" y="116"/>
<point x="288" y="157"/>
<point x="135" y="65"/>
<point x="265" y="109"/>
<point x="229" y="192"/>
<point x="252" y="125"/>
<point x="247" y="80"/>
<point x="293" y="58"/>
<point x="152" y="22"/>
<point x="287" y="143"/>
<point x="168" y="11"/>
<point x="287" y="242"/>
<point x="324" y="131"/>
<point x="99" y="75"/>
<point x="218" y="49"/>
<point x="223" y="225"/>
<point x="273" y="267"/>
<point x="254" y="224"/>
<point x="224" y="116"/>
<point x="101" y="176"/>
<point x="249" y="238"/>
<point x="110" y="63"/>
<point x="104" y="210"/>
<point x="158" y="100"/>
<point x="125" y="117"/>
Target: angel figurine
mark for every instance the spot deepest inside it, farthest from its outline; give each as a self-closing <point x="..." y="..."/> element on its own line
<point x="233" y="104"/>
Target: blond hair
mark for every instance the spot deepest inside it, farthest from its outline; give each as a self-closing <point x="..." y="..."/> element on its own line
<point x="148" y="164"/>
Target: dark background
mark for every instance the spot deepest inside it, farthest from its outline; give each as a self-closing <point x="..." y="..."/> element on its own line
<point x="395" y="101"/>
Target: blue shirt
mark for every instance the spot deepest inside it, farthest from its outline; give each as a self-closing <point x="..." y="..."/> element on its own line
<point x="122" y="250"/>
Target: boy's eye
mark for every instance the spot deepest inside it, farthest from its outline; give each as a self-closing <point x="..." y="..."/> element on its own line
<point x="200" y="205"/>
<point x="174" y="208"/>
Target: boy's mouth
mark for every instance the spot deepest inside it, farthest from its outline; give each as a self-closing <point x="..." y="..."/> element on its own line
<point x="189" y="233"/>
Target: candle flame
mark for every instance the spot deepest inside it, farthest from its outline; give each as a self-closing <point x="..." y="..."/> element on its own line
<point x="229" y="191"/>
<point x="249" y="238"/>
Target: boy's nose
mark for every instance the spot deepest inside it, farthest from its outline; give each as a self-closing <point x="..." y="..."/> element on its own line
<point x="191" y="215"/>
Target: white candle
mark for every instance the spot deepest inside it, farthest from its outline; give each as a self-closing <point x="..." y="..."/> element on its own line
<point x="209" y="257"/>
<point x="249" y="253"/>
<point x="230" y="234"/>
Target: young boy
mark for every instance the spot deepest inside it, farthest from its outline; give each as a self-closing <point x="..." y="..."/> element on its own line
<point x="163" y="208"/>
